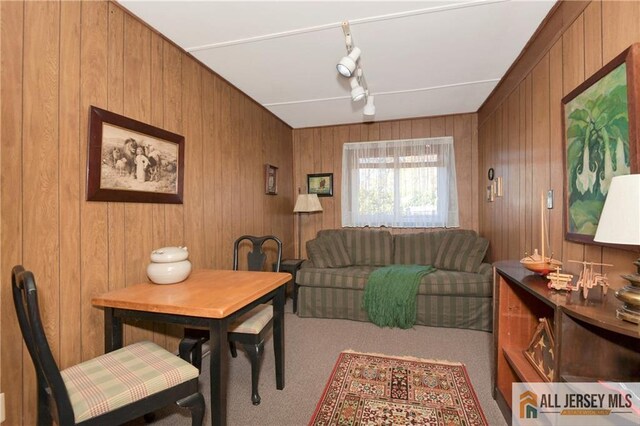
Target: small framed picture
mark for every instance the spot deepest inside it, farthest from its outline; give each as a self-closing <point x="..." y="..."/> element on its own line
<point x="271" y="179"/>
<point x="320" y="184"/>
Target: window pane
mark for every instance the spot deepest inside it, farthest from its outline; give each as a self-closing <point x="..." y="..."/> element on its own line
<point x="376" y="192"/>
<point x="418" y="191"/>
<point x="406" y="183"/>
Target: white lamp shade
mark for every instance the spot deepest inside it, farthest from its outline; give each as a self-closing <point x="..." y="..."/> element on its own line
<point x="347" y="65"/>
<point x="307" y="203"/>
<point x="369" y="108"/>
<point x="620" y="218"/>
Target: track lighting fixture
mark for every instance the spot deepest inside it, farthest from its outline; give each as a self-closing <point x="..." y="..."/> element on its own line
<point x="357" y="91"/>
<point x="351" y="66"/>
<point x="369" y="107"/>
<point x="347" y="65"/>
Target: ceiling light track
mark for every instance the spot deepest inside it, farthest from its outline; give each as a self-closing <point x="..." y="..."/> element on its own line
<point x="357" y="21"/>
<point x="390" y="92"/>
<point x="350" y="66"/>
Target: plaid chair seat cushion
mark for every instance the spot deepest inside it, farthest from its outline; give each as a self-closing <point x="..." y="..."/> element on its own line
<point x="253" y="321"/>
<point x="123" y="376"/>
<point x="437" y="283"/>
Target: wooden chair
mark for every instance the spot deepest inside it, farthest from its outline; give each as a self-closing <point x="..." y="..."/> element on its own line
<point x="113" y="388"/>
<point x="249" y="329"/>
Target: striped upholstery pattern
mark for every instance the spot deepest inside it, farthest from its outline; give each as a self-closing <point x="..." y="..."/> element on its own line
<point x="253" y="321"/>
<point x="438" y="282"/>
<point x="461" y="252"/>
<point x="328" y="251"/>
<point x="416" y="249"/>
<point x="468" y="312"/>
<point x="446" y="298"/>
<point x="120" y="377"/>
<point x="369" y="247"/>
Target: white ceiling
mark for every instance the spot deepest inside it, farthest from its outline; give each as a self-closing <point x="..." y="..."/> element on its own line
<point x="421" y="58"/>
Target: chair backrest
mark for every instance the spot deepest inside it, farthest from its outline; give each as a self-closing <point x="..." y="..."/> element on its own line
<point x="50" y="383"/>
<point x="257" y="257"/>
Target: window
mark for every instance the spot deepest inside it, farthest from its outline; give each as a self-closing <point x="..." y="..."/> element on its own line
<point x="405" y="183"/>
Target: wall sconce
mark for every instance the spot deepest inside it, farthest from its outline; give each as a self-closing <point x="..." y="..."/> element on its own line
<point x="491" y="192"/>
<point x="498" y="184"/>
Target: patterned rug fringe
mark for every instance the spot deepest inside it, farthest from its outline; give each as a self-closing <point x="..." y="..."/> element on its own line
<point x="406" y="358"/>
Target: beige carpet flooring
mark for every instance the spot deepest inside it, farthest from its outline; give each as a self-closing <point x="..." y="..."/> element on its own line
<point x="311" y="350"/>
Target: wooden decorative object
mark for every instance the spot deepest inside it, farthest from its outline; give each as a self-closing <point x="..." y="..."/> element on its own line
<point x="540" y="351"/>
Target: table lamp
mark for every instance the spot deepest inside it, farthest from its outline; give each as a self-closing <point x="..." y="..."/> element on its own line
<point x="620" y="224"/>
<point x="306" y="203"/>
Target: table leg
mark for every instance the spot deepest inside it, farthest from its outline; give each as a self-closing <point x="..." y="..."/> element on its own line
<point x="112" y="331"/>
<point x="278" y="335"/>
<point x="219" y="368"/>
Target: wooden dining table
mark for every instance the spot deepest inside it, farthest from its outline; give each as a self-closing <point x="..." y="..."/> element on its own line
<point x="207" y="298"/>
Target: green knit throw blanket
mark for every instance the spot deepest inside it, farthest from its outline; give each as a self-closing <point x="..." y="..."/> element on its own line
<point x="390" y="294"/>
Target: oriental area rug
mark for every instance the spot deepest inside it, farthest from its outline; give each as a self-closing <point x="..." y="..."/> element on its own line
<point x="375" y="389"/>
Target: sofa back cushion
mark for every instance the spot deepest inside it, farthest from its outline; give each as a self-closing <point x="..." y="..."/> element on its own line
<point x="328" y="251"/>
<point x="370" y="247"/>
<point x="420" y="248"/>
<point x="461" y="251"/>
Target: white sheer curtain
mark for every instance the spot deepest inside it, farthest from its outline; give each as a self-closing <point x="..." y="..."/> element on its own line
<point x="401" y="183"/>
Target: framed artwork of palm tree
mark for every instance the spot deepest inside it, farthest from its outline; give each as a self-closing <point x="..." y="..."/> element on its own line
<point x="601" y="124"/>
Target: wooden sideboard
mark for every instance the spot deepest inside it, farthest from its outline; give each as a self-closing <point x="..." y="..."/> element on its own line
<point x="590" y="343"/>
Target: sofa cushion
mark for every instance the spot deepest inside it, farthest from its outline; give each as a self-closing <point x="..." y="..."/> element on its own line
<point x="328" y="251"/>
<point x="369" y="247"/>
<point x="419" y="248"/>
<point x="461" y="252"/>
<point x="436" y="283"/>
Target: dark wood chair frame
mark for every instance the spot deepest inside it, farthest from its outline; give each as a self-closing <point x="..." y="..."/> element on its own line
<point x="190" y="347"/>
<point x="53" y="399"/>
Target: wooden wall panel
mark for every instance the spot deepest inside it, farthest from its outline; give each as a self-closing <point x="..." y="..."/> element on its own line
<point x="319" y="150"/>
<point x="69" y="191"/>
<point x="556" y="148"/>
<point x="58" y="59"/>
<point x="587" y="36"/>
<point x="11" y="78"/>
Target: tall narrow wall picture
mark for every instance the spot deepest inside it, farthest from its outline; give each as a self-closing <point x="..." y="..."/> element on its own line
<point x="600" y="131"/>
<point x="271" y="179"/>
<point x="132" y="161"/>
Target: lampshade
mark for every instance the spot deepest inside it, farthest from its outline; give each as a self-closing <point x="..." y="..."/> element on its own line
<point x="347" y="65"/>
<point x="369" y="108"/>
<point x="620" y="218"/>
<point x="307" y="203"/>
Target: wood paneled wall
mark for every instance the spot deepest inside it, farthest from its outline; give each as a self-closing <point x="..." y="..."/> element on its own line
<point x="319" y="150"/>
<point x="520" y="132"/>
<point x="58" y="58"/>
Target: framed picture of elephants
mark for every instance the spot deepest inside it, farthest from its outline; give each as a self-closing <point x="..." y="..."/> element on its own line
<point x="131" y="161"/>
<point x="601" y="125"/>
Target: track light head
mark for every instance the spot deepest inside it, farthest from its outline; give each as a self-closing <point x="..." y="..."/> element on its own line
<point x="369" y="108"/>
<point x="347" y="65"/>
<point x="357" y="91"/>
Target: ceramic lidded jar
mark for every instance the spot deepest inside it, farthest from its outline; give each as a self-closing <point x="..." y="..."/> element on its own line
<point x="169" y="265"/>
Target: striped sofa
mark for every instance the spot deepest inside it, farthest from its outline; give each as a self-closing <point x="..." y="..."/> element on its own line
<point x="459" y="294"/>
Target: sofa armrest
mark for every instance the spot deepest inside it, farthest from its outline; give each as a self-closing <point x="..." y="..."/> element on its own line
<point x="308" y="263"/>
<point x="486" y="269"/>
